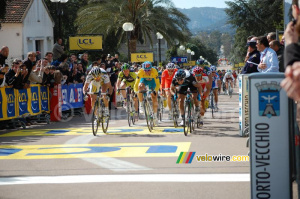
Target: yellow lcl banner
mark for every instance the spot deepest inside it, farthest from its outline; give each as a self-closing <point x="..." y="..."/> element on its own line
<point x="86" y="42"/>
<point x="241" y="64"/>
<point x="190" y="63"/>
<point x="141" y="57"/>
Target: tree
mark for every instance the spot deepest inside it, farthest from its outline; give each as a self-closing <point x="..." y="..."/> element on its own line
<point x="148" y="17"/>
<point x="253" y="17"/>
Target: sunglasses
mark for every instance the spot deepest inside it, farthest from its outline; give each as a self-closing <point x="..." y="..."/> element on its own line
<point x="180" y="79"/>
<point x="198" y="75"/>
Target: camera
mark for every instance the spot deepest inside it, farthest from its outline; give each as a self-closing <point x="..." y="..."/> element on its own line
<point x="294" y="21"/>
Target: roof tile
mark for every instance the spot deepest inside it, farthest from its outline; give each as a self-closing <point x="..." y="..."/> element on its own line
<point x="15" y="10"/>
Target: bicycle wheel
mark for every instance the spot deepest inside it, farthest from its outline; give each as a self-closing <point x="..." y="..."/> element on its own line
<point x="198" y="121"/>
<point x="212" y="105"/>
<point x="132" y="112"/>
<point x="147" y="115"/>
<point x="175" y="113"/>
<point x="186" y="119"/>
<point x="128" y="107"/>
<point x="229" y="90"/>
<point x="192" y="122"/>
<point x="95" y="118"/>
<point x="104" y="119"/>
<point x="159" y="108"/>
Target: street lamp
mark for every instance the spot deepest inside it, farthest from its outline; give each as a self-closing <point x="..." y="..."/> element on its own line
<point x="192" y="54"/>
<point x="59" y="13"/>
<point x="181" y="47"/>
<point x="159" y="37"/>
<point x="127" y="27"/>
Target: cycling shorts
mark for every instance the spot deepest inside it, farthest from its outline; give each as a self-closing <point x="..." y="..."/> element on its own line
<point x="150" y="83"/>
<point x="183" y="88"/>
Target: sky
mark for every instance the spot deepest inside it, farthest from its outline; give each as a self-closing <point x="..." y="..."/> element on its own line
<point x="200" y="3"/>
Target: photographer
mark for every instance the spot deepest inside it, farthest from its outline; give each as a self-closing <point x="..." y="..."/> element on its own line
<point x="16" y="76"/>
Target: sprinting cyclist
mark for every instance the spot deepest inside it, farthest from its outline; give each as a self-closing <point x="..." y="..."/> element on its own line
<point x="127" y="78"/>
<point x="216" y="83"/>
<point x="228" y="77"/>
<point x="148" y="76"/>
<point x="166" y="81"/>
<point x="184" y="79"/>
<point x="97" y="78"/>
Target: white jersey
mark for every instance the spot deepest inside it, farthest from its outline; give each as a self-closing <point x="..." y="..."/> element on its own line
<point x="94" y="86"/>
<point x="228" y="76"/>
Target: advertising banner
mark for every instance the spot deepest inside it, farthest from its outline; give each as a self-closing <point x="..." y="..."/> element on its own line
<point x="35" y="99"/>
<point x="10" y="103"/>
<point x="141" y="57"/>
<point x="86" y="42"/>
<point x="45" y="102"/>
<point x="179" y="59"/>
<point x="23" y="101"/>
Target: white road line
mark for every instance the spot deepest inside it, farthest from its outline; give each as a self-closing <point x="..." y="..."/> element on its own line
<point x="126" y="178"/>
<point x="112" y="164"/>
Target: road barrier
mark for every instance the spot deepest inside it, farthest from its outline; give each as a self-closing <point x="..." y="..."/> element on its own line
<point x="243" y="104"/>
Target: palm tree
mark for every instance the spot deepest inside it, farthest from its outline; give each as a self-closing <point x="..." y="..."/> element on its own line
<point x="148" y="16"/>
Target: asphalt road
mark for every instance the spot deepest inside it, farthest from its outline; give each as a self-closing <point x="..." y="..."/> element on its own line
<point x="65" y="160"/>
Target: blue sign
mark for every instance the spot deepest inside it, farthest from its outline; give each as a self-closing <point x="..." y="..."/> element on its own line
<point x="179" y="59"/>
<point x="45" y="98"/>
<point x="23" y="102"/>
<point x="72" y="96"/>
<point x="11" y="104"/>
<point x="64" y="94"/>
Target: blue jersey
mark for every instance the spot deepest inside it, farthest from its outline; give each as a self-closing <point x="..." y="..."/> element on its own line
<point x="215" y="79"/>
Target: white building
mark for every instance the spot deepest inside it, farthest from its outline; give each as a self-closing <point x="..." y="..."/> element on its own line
<point x="28" y="26"/>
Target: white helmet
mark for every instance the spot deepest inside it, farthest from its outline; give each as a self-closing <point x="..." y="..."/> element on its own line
<point x="170" y="65"/>
<point x="213" y="68"/>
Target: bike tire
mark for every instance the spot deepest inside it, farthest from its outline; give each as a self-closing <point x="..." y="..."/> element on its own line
<point x="186" y="120"/>
<point x="128" y="110"/>
<point x="212" y="105"/>
<point x="198" y="122"/>
<point x="132" y="112"/>
<point x="230" y="91"/>
<point x="192" y="121"/>
<point x="95" y="126"/>
<point x="104" y="120"/>
<point x="175" y="113"/>
<point x="147" y="115"/>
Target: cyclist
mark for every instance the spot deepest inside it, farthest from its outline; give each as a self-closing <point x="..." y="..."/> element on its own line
<point x="127" y="78"/>
<point x="97" y="78"/>
<point x="147" y="76"/>
<point x="228" y="77"/>
<point x="166" y="81"/>
<point x="235" y="77"/>
<point x="216" y="84"/>
<point x="184" y="79"/>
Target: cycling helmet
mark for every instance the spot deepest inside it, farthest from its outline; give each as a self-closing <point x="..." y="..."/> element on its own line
<point x="228" y="71"/>
<point x="125" y="66"/>
<point x="180" y="74"/>
<point x="147" y="66"/>
<point x="200" y="62"/>
<point x="170" y="66"/>
<point x="197" y="70"/>
<point x="96" y="72"/>
<point x="213" y="69"/>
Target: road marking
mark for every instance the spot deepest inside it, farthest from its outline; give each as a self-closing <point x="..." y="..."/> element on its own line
<point x="126" y="178"/>
<point x="112" y="164"/>
<point x="165" y="149"/>
<point x="85" y="131"/>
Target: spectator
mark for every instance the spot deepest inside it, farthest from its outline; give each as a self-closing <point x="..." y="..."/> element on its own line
<point x="58" y="49"/>
<point x="116" y="58"/>
<point x="49" y="57"/>
<point x="271" y="36"/>
<point x="104" y="59"/>
<point x="15" y="77"/>
<point x="64" y="69"/>
<point x="103" y="66"/>
<point x="46" y="76"/>
<point x="35" y="75"/>
<point x="278" y="48"/>
<point x="73" y="60"/>
<point x="80" y="75"/>
<point x="3" y="71"/>
<point x="253" y="59"/>
<point x="62" y="59"/>
<point x="85" y="61"/>
<point x="268" y="57"/>
<point x="4" y="52"/>
<point x="29" y="62"/>
<point x="291" y="83"/>
<point x="248" y="40"/>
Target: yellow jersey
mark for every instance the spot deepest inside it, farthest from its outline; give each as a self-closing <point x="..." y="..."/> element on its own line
<point x="142" y="74"/>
